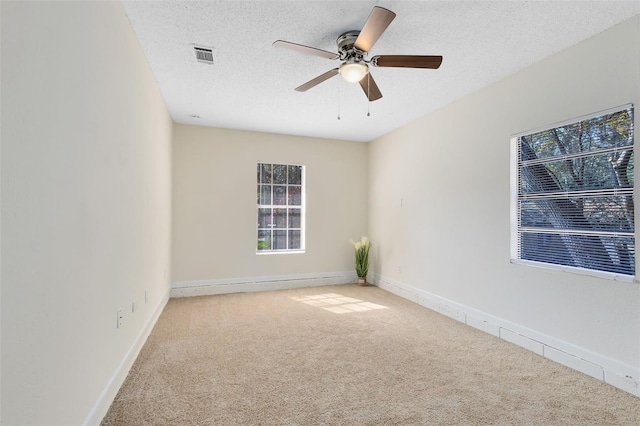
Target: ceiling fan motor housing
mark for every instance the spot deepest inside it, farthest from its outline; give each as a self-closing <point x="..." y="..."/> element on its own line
<point x="346" y="46"/>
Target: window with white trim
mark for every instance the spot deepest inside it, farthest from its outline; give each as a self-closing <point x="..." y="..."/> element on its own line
<point x="280" y="208"/>
<point x="572" y="195"/>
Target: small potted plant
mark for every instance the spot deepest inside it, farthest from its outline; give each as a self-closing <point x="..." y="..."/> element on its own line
<point x="362" y="259"/>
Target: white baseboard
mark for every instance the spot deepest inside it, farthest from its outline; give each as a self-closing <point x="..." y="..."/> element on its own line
<point x="266" y="283"/>
<point x="608" y="370"/>
<point x="109" y="393"/>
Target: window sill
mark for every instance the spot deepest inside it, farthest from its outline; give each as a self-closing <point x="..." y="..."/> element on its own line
<point x="265" y="253"/>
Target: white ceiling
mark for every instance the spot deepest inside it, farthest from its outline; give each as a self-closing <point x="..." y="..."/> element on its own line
<point x="250" y="85"/>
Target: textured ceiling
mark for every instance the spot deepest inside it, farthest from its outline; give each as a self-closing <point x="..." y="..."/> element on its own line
<point x="250" y="85"/>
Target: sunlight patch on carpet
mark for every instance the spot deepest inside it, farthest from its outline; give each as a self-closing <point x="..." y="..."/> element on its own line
<point x="338" y="304"/>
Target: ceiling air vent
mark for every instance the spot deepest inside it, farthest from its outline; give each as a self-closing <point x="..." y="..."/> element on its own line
<point x="204" y="55"/>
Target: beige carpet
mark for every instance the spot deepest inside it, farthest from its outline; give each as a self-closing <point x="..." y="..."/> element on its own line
<point x="346" y="355"/>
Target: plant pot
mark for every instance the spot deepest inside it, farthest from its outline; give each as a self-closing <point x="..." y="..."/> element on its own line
<point x="362" y="281"/>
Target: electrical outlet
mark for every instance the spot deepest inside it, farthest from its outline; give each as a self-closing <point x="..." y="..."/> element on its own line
<point x="134" y="306"/>
<point x="146" y="296"/>
<point x="119" y="323"/>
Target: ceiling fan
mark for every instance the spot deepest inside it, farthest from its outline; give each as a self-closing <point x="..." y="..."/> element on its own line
<point x="353" y="47"/>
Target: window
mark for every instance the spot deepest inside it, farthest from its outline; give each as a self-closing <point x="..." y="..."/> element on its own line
<point x="572" y="195"/>
<point x="280" y="208"/>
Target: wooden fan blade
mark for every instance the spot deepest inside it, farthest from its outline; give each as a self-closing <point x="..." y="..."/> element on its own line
<point x="378" y="21"/>
<point x="305" y="49"/>
<point x="319" y="79"/>
<point x="370" y="88"/>
<point x="407" y="61"/>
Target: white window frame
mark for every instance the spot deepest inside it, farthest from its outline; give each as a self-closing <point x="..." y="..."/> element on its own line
<point x="302" y="209"/>
<point x="515" y="205"/>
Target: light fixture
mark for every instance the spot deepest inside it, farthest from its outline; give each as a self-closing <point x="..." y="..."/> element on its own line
<point x="353" y="71"/>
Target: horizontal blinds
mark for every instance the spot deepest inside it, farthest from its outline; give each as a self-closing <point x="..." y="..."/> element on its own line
<point x="575" y="203"/>
<point x="598" y="252"/>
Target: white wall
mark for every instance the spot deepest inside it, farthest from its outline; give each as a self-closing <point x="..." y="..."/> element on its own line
<point x="450" y="238"/>
<point x="85" y="207"/>
<point x="214" y="203"/>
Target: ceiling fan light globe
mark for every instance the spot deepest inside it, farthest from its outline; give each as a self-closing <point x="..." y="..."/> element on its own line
<point x="353" y="72"/>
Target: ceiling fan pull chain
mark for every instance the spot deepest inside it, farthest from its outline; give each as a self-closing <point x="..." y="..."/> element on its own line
<point x="368" y="95"/>
<point x="338" y="102"/>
